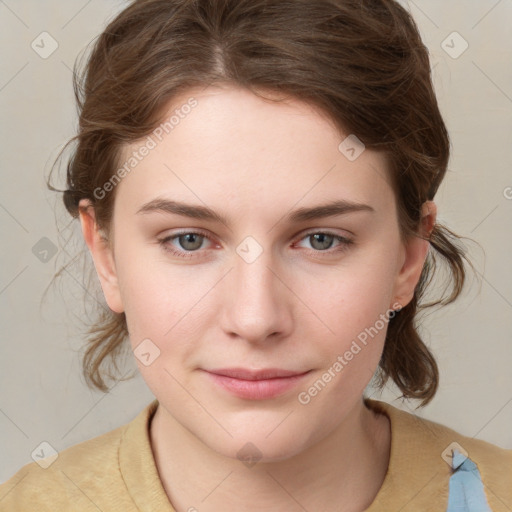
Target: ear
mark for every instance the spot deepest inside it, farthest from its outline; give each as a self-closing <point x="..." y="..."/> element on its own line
<point x="414" y="253"/>
<point x="102" y="255"/>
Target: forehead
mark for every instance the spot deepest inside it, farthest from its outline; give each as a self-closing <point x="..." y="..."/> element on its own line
<point x="229" y="143"/>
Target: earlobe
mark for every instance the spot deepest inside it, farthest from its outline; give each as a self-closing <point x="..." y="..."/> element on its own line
<point x="102" y="255"/>
<point x="414" y="255"/>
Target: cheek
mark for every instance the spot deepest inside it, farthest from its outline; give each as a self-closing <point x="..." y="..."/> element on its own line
<point x="358" y="314"/>
<point x="164" y="303"/>
<point x="353" y="296"/>
<point x="156" y="311"/>
<point x="149" y="295"/>
<point x="353" y="303"/>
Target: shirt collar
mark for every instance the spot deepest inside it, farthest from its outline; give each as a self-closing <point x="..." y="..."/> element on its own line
<point x="137" y="465"/>
<point x="413" y="458"/>
<point x="415" y="465"/>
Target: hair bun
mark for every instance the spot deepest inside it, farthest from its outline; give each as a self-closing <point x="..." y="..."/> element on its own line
<point x="71" y="200"/>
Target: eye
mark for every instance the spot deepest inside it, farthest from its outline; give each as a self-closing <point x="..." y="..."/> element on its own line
<point x="322" y="241"/>
<point x="183" y="244"/>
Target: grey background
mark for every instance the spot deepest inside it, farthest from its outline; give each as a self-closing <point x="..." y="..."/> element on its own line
<point x="43" y="395"/>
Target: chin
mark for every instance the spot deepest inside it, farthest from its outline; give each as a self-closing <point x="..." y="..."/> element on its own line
<point x="252" y="449"/>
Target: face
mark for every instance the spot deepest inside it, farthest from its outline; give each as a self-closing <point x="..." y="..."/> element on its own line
<point x="261" y="283"/>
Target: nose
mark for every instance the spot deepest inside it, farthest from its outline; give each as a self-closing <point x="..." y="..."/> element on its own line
<point x="257" y="305"/>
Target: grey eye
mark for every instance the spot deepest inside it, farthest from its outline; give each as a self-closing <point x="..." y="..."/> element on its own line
<point x="190" y="241"/>
<point x="321" y="241"/>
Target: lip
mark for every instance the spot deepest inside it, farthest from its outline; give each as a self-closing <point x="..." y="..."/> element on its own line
<point x="256" y="384"/>
<point x="247" y="374"/>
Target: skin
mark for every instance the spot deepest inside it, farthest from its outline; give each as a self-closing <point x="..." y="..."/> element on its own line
<point x="298" y="306"/>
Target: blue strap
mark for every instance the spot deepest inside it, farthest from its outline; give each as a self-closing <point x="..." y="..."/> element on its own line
<point x="466" y="487"/>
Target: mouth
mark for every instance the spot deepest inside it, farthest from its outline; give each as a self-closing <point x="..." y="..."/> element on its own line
<point x="256" y="384"/>
<point x="246" y="374"/>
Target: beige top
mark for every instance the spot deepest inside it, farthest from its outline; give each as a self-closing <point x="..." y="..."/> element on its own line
<point x="116" y="471"/>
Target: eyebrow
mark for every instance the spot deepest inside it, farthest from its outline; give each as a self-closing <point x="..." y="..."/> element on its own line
<point x="333" y="208"/>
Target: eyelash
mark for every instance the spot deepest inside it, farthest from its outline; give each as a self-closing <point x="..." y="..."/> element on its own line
<point x="164" y="242"/>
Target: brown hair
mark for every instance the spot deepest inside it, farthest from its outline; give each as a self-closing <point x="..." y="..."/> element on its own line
<point x="362" y="62"/>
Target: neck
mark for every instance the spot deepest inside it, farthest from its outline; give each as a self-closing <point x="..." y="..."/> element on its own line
<point x="342" y="472"/>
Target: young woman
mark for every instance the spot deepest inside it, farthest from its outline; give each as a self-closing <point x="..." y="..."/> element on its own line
<point x="255" y="180"/>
